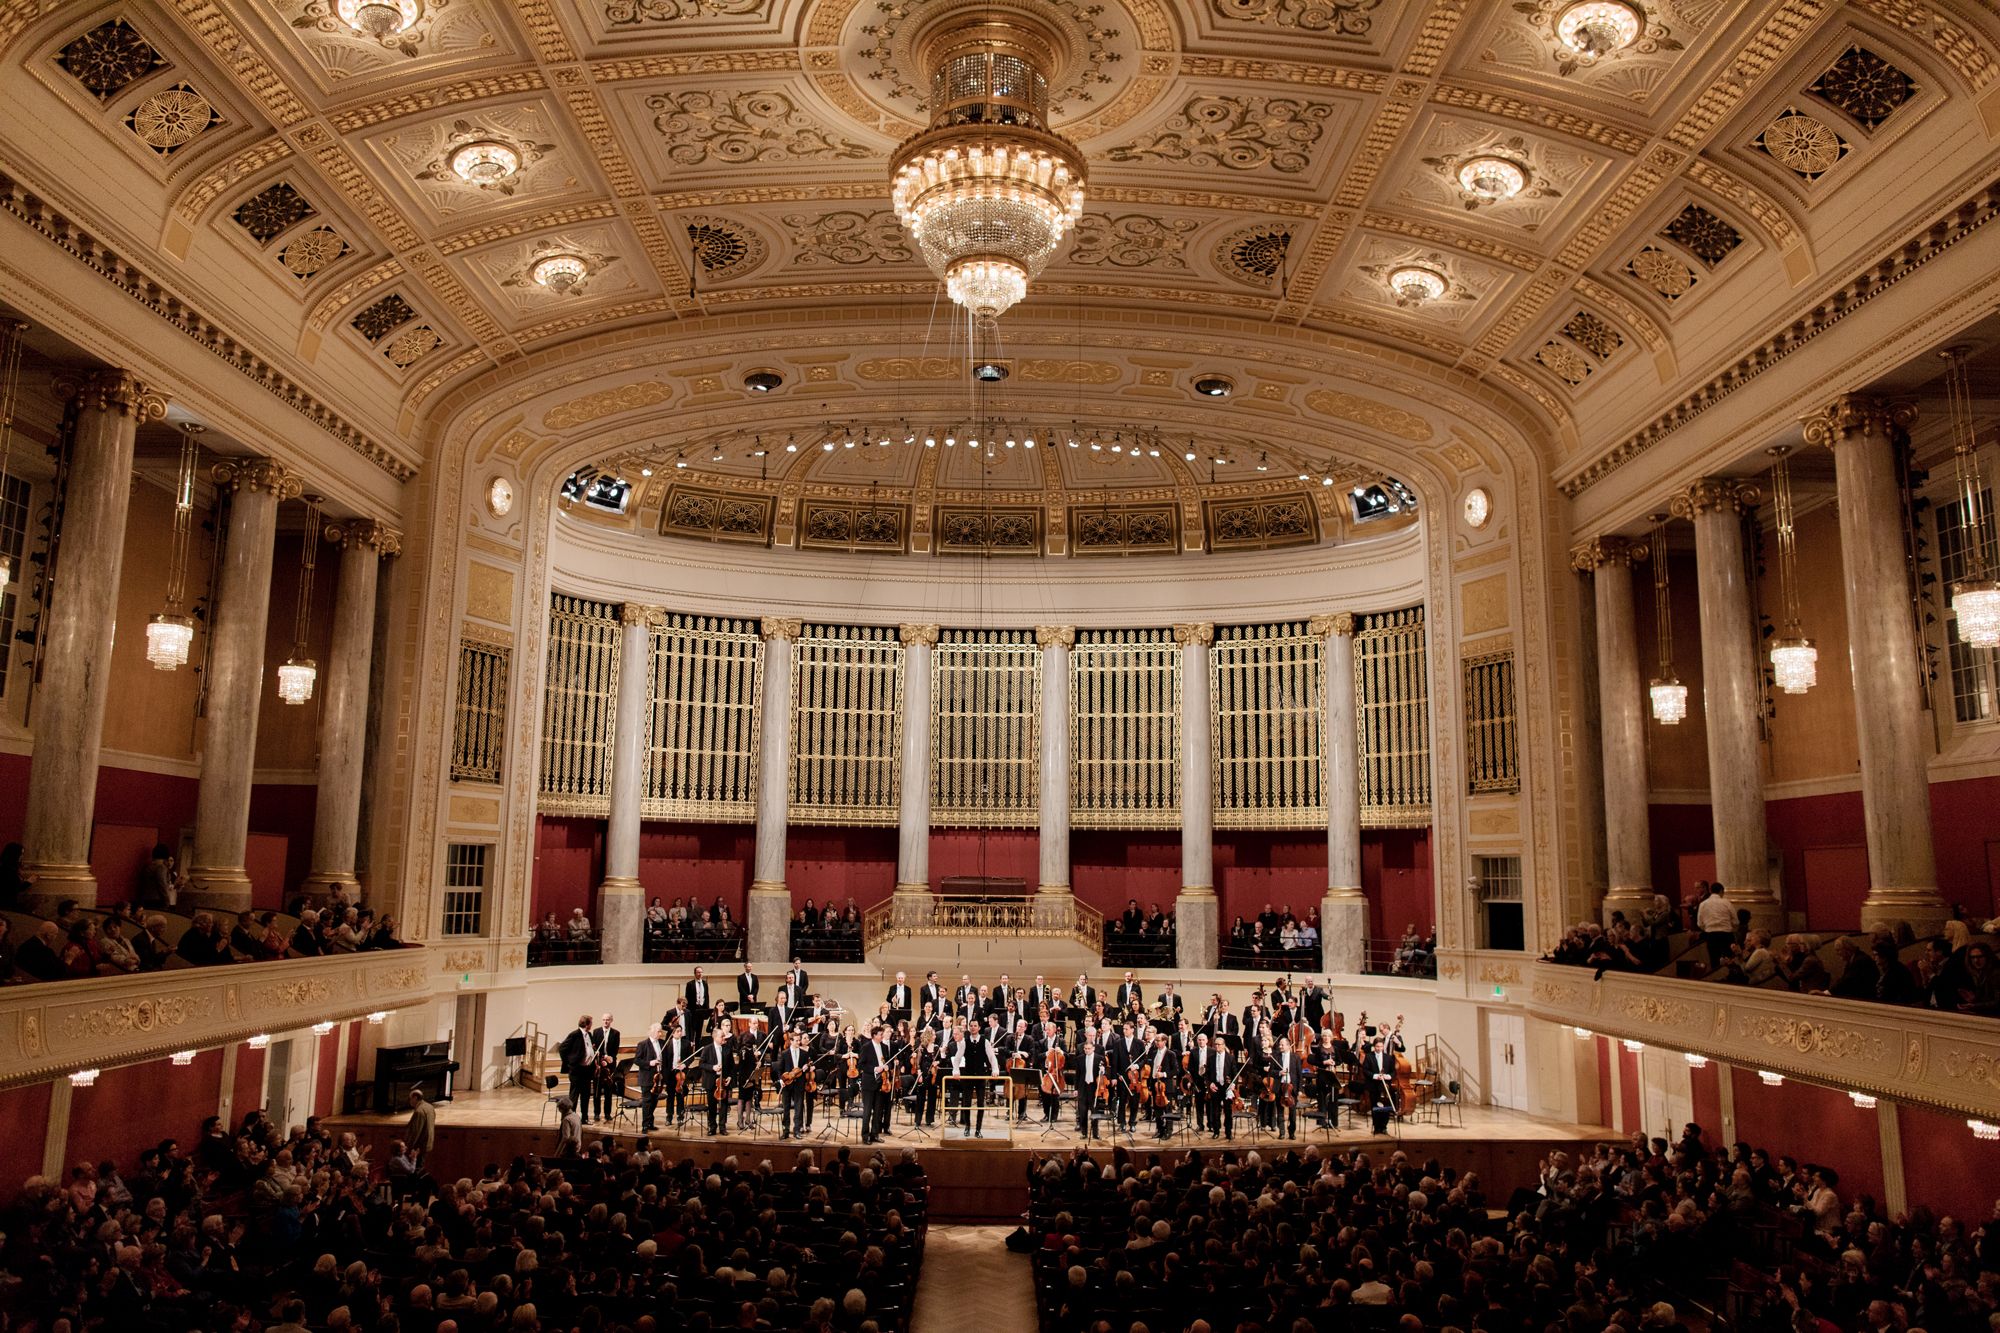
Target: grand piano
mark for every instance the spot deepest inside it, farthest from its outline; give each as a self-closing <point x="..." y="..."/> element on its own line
<point x="398" y="1069"/>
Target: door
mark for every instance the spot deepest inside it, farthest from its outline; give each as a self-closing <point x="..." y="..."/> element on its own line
<point x="1506" y="1061"/>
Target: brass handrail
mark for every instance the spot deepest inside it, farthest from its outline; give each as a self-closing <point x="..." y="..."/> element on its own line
<point x="1041" y="916"/>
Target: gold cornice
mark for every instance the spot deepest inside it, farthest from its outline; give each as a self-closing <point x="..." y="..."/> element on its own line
<point x="1714" y="494"/>
<point x="117" y="391"/>
<point x="1854" y="415"/>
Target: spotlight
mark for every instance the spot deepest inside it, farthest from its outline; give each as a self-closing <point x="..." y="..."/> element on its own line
<point x="762" y="381"/>
<point x="1214" y="386"/>
<point x="989" y="372"/>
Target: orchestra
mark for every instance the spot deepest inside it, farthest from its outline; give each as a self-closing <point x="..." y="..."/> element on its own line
<point x="1290" y="1057"/>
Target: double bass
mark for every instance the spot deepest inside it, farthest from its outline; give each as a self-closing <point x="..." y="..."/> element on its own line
<point x="1052" y="1073"/>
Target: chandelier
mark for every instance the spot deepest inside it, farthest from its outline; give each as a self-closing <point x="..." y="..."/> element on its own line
<point x="11" y="331"/>
<point x="170" y="633"/>
<point x="296" y="676"/>
<point x="1492" y="178"/>
<point x="560" y="273"/>
<point x="988" y="191"/>
<point x="1794" y="659"/>
<point x="1598" y="27"/>
<point x="484" y="162"/>
<point x="1670" y="697"/>
<point x="1414" y="284"/>
<point x="1975" y="597"/>
<point x="377" y="18"/>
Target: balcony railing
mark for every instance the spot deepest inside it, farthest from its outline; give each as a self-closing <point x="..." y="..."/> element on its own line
<point x="1951" y="1061"/>
<point x="1039" y="916"/>
<point x="55" y="1027"/>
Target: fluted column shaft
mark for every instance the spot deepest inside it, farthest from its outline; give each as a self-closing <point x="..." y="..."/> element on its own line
<point x="1732" y="702"/>
<point x="1197" y="925"/>
<point x="1882" y="654"/>
<point x="1056" y="641"/>
<point x="913" y="838"/>
<point x="1622" y="724"/>
<point x="343" y="728"/>
<point x="1343" y="911"/>
<point x="621" y="908"/>
<point x="236" y="680"/>
<point x="76" y="638"/>
<point x="768" y="916"/>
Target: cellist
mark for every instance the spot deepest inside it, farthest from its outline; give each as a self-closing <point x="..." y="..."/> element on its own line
<point x="1051" y="1064"/>
<point x="1162" y="1068"/>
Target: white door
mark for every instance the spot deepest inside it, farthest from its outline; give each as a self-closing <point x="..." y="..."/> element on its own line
<point x="1506" y="1061"/>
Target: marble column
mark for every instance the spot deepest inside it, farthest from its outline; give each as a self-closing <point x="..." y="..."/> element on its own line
<point x="1197" y="915"/>
<point x="236" y="680"/>
<point x="343" y="726"/>
<point x="912" y="902"/>
<point x="769" y="915"/>
<point x="621" y="902"/>
<point x="1343" y="911"/>
<point x="1882" y="654"/>
<point x="1056" y="641"/>
<point x="1621" y="701"/>
<point x="76" y="637"/>
<point x="1732" y="702"/>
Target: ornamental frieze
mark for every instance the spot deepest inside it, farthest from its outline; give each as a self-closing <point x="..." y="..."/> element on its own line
<point x="1809" y="1038"/>
<point x="1970" y="1067"/>
<point x="136" y="1017"/>
<point x="292" y="994"/>
<point x="1653" y="1010"/>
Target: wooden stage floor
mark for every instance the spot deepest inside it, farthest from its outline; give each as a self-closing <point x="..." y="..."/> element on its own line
<point x="981" y="1179"/>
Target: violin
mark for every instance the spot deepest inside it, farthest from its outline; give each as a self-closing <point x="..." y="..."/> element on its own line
<point x="1270" y="1092"/>
<point x="853" y="1065"/>
<point x="1136" y="1077"/>
<point x="1052" y="1073"/>
<point x="1103" y="1082"/>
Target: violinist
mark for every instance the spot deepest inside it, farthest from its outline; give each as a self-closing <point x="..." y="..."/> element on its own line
<point x="646" y="1059"/>
<point x="794" y="1066"/>
<point x="1092" y="1079"/>
<point x="1279" y="1108"/>
<point x="924" y="1065"/>
<point x="1378" y="1073"/>
<point x="1162" y="1070"/>
<point x="747" y="1077"/>
<point x="1018" y="1051"/>
<point x="846" y="1062"/>
<point x="1128" y="1052"/>
<point x="874" y="1063"/>
<point x="715" y="1067"/>
<point x="929" y="1021"/>
<point x="1183" y="1039"/>
<point x="1216" y="1083"/>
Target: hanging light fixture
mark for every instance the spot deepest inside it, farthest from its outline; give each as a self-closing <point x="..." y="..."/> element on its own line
<point x="988" y="191"/>
<point x="296" y="676"/>
<point x="1794" y="659"/>
<point x="560" y="273"/>
<point x="1492" y="178"/>
<point x="10" y="384"/>
<point x="1413" y="284"/>
<point x="1598" y="27"/>
<point x="1862" y="1100"/>
<point x="170" y="633"/>
<point x="1670" y="697"/>
<point x="1975" y="598"/>
<point x="484" y="162"/>
<point x="378" y="18"/>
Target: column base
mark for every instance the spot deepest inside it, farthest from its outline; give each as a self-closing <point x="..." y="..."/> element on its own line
<point x="1197" y="928"/>
<point x="54" y="883"/>
<point x="318" y="886"/>
<point x="1920" y="906"/>
<point x="1055" y="888"/>
<point x="217" y="889"/>
<point x="768" y="922"/>
<point x="910" y="906"/>
<point x="1343" y="931"/>
<point x="621" y="919"/>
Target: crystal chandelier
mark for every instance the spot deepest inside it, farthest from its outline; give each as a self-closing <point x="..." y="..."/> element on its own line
<point x="296" y="676"/>
<point x="1975" y="596"/>
<point x="484" y="162"/>
<point x="1670" y="697"/>
<point x="1414" y="284"/>
<point x="378" y="18"/>
<point x="988" y="191"/>
<point x="1598" y="27"/>
<point x="11" y="331"/>
<point x="1794" y="659"/>
<point x="560" y="273"/>
<point x="1492" y="178"/>
<point x="170" y="633"/>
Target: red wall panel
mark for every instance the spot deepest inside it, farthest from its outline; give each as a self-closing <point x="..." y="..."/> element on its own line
<point x="1252" y="868"/>
<point x="1396" y="876"/>
<point x="701" y="862"/>
<point x="323" y="1072"/>
<point x="1604" y="1059"/>
<point x="127" y="796"/>
<point x="831" y="865"/>
<point x="136" y="1106"/>
<point x="1944" y="1167"/>
<point x="1816" y="1125"/>
<point x="1679" y="831"/>
<point x="569" y="862"/>
<point x="247" y="1093"/>
<point x="285" y="810"/>
<point x="1004" y="853"/>
<point x="1630" y="1110"/>
<point x="1706" y="1086"/>
<point x="13" y="811"/>
<point x="1968" y="843"/>
<point x="25" y="1112"/>
<point x="1108" y="866"/>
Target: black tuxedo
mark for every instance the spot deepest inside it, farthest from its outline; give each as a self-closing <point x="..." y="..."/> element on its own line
<point x="791" y="1061"/>
<point x="932" y="994"/>
<point x="579" y="1061"/>
<point x="746" y="990"/>
<point x="609" y="1085"/>
<point x="1220" y="1072"/>
<point x="1373" y="1066"/>
<point x="699" y="1005"/>
<point x="1090" y="1062"/>
<point x="1127" y="992"/>
<point x="899" y="997"/>
<point x="654" y="1062"/>
<point x="715" y="1065"/>
<point x="874" y="1102"/>
<point x="800" y="983"/>
<point x="1039" y="996"/>
<point x="1172" y="1001"/>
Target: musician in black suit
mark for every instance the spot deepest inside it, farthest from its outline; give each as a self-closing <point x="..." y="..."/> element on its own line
<point x="1128" y="991"/>
<point x="698" y="1003"/>
<point x="673" y="1063"/>
<point x="608" y="1084"/>
<point x="1315" y="1002"/>
<point x="875" y="1106"/>
<point x="1082" y="1000"/>
<point x="1162" y="1068"/>
<point x="715" y="1067"/>
<point x="1224" y="1024"/>
<point x="1170" y="1003"/>
<point x="792" y="1064"/>
<point x="1282" y="1111"/>
<point x="899" y="996"/>
<point x="579" y="1063"/>
<point x="746" y="988"/>
<point x="1222" y="1069"/>
<point x="1378" y="1073"/>
<point x="1090" y="1062"/>
<point x="797" y="979"/>
<point x="1039" y="994"/>
<point x="966" y="997"/>
<point x="1122" y="1052"/>
<point x="931" y="993"/>
<point x="1002" y="1000"/>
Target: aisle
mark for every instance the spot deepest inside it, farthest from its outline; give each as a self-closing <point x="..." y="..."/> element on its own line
<point x="971" y="1280"/>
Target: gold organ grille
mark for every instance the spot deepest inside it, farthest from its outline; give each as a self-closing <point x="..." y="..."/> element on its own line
<point x="847" y="725"/>
<point x="1492" y="755"/>
<point x="479" y="714"/>
<point x="579" y="706"/>
<point x="702" y="719"/>
<point x="1392" y="712"/>
<point x="1268" y="725"/>
<point x="986" y="729"/>
<point x="1125" y="729"/>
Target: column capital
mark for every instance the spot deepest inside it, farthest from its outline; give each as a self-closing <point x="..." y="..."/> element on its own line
<point x="1610" y="549"/>
<point x="1856" y="414"/>
<point x="638" y="613"/>
<point x="114" y="391"/>
<point x="258" y="474"/>
<point x="780" y="627"/>
<point x="1200" y="634"/>
<point x="1049" y="636"/>
<point x="1719" y="494"/>
<point x="1334" y="622"/>
<point x="917" y="635"/>
<point x="377" y="536"/>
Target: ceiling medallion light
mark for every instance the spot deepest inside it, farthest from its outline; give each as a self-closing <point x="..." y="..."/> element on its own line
<point x="762" y="381"/>
<point x="1794" y="659"/>
<point x="484" y="162"/>
<point x="1214" y="386"/>
<point x="1493" y="178"/>
<point x="170" y="633"/>
<point x="1598" y="27"/>
<point x="1670" y="697"/>
<point x="1975" y="595"/>
<point x="988" y="191"/>
<point x="560" y="273"/>
<point x="1414" y="284"/>
<point x="378" y="18"/>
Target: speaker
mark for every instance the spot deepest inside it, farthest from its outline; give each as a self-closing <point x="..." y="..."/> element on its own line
<point x="516" y="1047"/>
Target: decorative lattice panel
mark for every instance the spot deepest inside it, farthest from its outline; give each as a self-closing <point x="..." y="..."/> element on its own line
<point x="702" y="719"/>
<point x="1268" y="723"/>
<point x="479" y="712"/>
<point x="1492" y="754"/>
<point x="1392" y="707"/>
<point x="1125" y="729"/>
<point x="847" y="725"/>
<point x="985" y="729"/>
<point x="579" y="706"/>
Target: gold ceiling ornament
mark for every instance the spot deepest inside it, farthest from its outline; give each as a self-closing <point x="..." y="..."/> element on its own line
<point x="988" y="191"/>
<point x="1594" y="28"/>
<point x="1975" y="596"/>
<point x="484" y="162"/>
<point x="378" y="18"/>
<point x="170" y="633"/>
<point x="1794" y="658"/>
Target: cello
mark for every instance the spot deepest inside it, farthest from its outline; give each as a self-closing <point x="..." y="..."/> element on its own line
<point x="1052" y="1073"/>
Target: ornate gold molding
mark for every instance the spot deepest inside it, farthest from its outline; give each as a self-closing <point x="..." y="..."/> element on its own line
<point x="1199" y="633"/>
<point x="1610" y="549"/>
<point x="912" y="635"/>
<point x="1336" y="622"/>
<point x="117" y="391"/>
<point x="377" y="536"/>
<point x="638" y="613"/>
<point x="258" y="474"/>
<point x="1050" y="635"/>
<point x="1714" y="494"/>
<point x="1854" y="415"/>
<point x="780" y="627"/>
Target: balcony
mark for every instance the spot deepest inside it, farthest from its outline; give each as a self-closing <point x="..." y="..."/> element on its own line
<point x="1949" y="1061"/>
<point x="52" y="1028"/>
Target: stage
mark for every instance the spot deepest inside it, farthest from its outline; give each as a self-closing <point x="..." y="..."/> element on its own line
<point x="978" y="1179"/>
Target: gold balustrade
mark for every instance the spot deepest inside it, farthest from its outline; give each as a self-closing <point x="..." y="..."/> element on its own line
<point x="1044" y="916"/>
